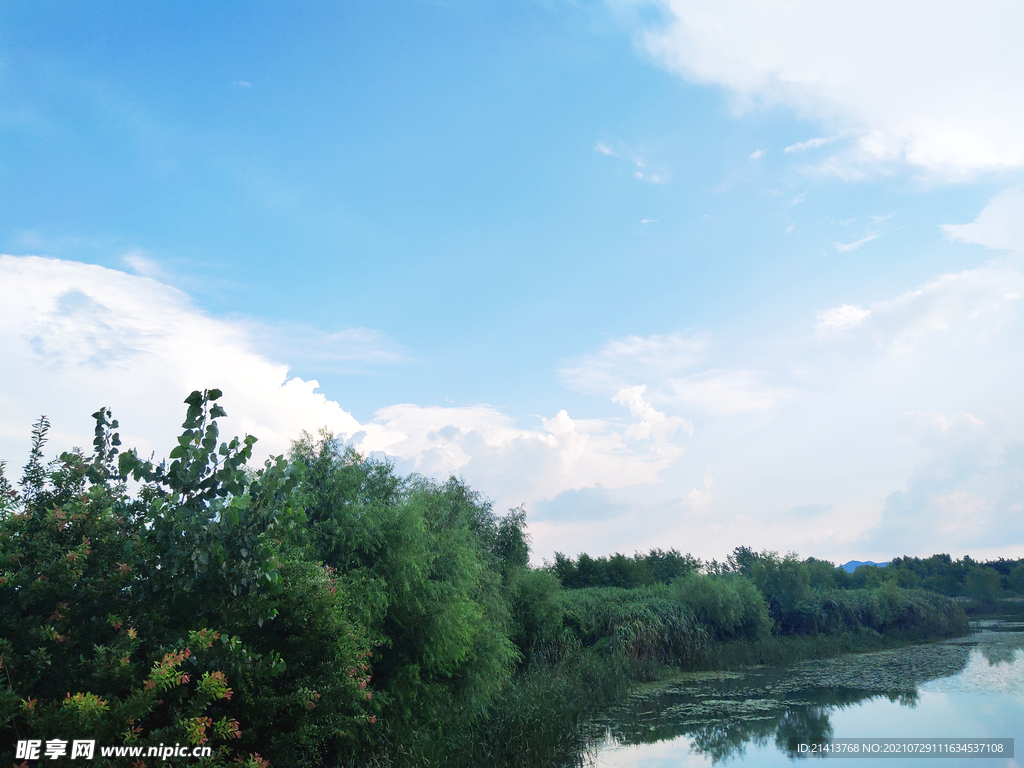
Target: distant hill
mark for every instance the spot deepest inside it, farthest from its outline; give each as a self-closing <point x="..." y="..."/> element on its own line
<point x="853" y="565"/>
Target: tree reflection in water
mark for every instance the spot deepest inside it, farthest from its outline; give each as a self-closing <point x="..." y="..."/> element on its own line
<point x="721" y="714"/>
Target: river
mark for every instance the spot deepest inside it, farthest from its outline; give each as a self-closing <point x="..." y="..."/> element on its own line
<point x="971" y="687"/>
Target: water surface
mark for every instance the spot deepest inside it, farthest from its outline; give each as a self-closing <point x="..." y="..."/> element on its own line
<point x="971" y="687"/>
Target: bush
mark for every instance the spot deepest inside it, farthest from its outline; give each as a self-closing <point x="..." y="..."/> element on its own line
<point x="730" y="605"/>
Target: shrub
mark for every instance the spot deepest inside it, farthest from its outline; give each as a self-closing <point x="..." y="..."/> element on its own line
<point x="729" y="605"/>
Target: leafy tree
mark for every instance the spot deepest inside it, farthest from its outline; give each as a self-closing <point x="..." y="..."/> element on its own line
<point x="430" y="563"/>
<point x="165" y="615"/>
<point x="983" y="583"/>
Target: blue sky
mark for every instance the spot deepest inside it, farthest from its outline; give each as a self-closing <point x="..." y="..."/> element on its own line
<point x="669" y="273"/>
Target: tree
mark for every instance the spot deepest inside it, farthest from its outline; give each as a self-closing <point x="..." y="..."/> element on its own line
<point x="164" y="615"/>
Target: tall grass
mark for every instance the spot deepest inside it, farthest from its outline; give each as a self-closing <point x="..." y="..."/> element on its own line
<point x="644" y="626"/>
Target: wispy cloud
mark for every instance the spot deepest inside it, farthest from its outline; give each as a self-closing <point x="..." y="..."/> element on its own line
<point x="841" y="318"/>
<point x="141" y="264"/>
<point x="243" y="84"/>
<point x="809" y="144"/>
<point x="757" y="154"/>
<point x="651" y="178"/>
<point x="346" y="350"/>
<point x="971" y="304"/>
<point x="655" y="176"/>
<point x="844" y="247"/>
<point x="999" y="225"/>
<point x="632" y="360"/>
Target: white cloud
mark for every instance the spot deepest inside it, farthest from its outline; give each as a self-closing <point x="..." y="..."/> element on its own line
<point x="513" y="464"/>
<point x="927" y="427"/>
<point x="658" y="176"/>
<point x="809" y="144"/>
<point x="968" y="305"/>
<point x="141" y="264"/>
<point x="999" y="225"/>
<point x="909" y="420"/>
<point x="936" y="87"/>
<point x="628" y="361"/>
<point x="845" y="247"/>
<point x="757" y="154"/>
<point x="79" y="336"/>
<point x="651" y="178"/>
<point x="897" y="420"/>
<point x="664" y="366"/>
<point x="350" y="350"/>
<point x="841" y="318"/>
<point x="650" y="424"/>
<point x="726" y="392"/>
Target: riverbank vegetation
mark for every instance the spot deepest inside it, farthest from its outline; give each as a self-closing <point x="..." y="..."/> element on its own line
<point x="324" y="610"/>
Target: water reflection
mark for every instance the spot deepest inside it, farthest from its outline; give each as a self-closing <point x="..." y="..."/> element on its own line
<point x="722" y="715"/>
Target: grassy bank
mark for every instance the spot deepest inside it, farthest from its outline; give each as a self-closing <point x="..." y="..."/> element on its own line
<point x="620" y="638"/>
<point x="1011" y="608"/>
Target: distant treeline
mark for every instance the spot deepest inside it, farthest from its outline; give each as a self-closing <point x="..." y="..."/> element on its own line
<point x="939" y="573"/>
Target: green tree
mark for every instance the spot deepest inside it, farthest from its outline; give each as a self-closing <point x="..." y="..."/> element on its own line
<point x="164" y="615"/>
<point x="430" y="562"/>
<point x="983" y="583"/>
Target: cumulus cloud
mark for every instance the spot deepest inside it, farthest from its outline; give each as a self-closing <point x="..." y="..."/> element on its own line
<point x="515" y="464"/>
<point x="999" y="225"/>
<point x="938" y="88"/>
<point x="650" y="424"/>
<point x="895" y="416"/>
<point x="79" y="336"/>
